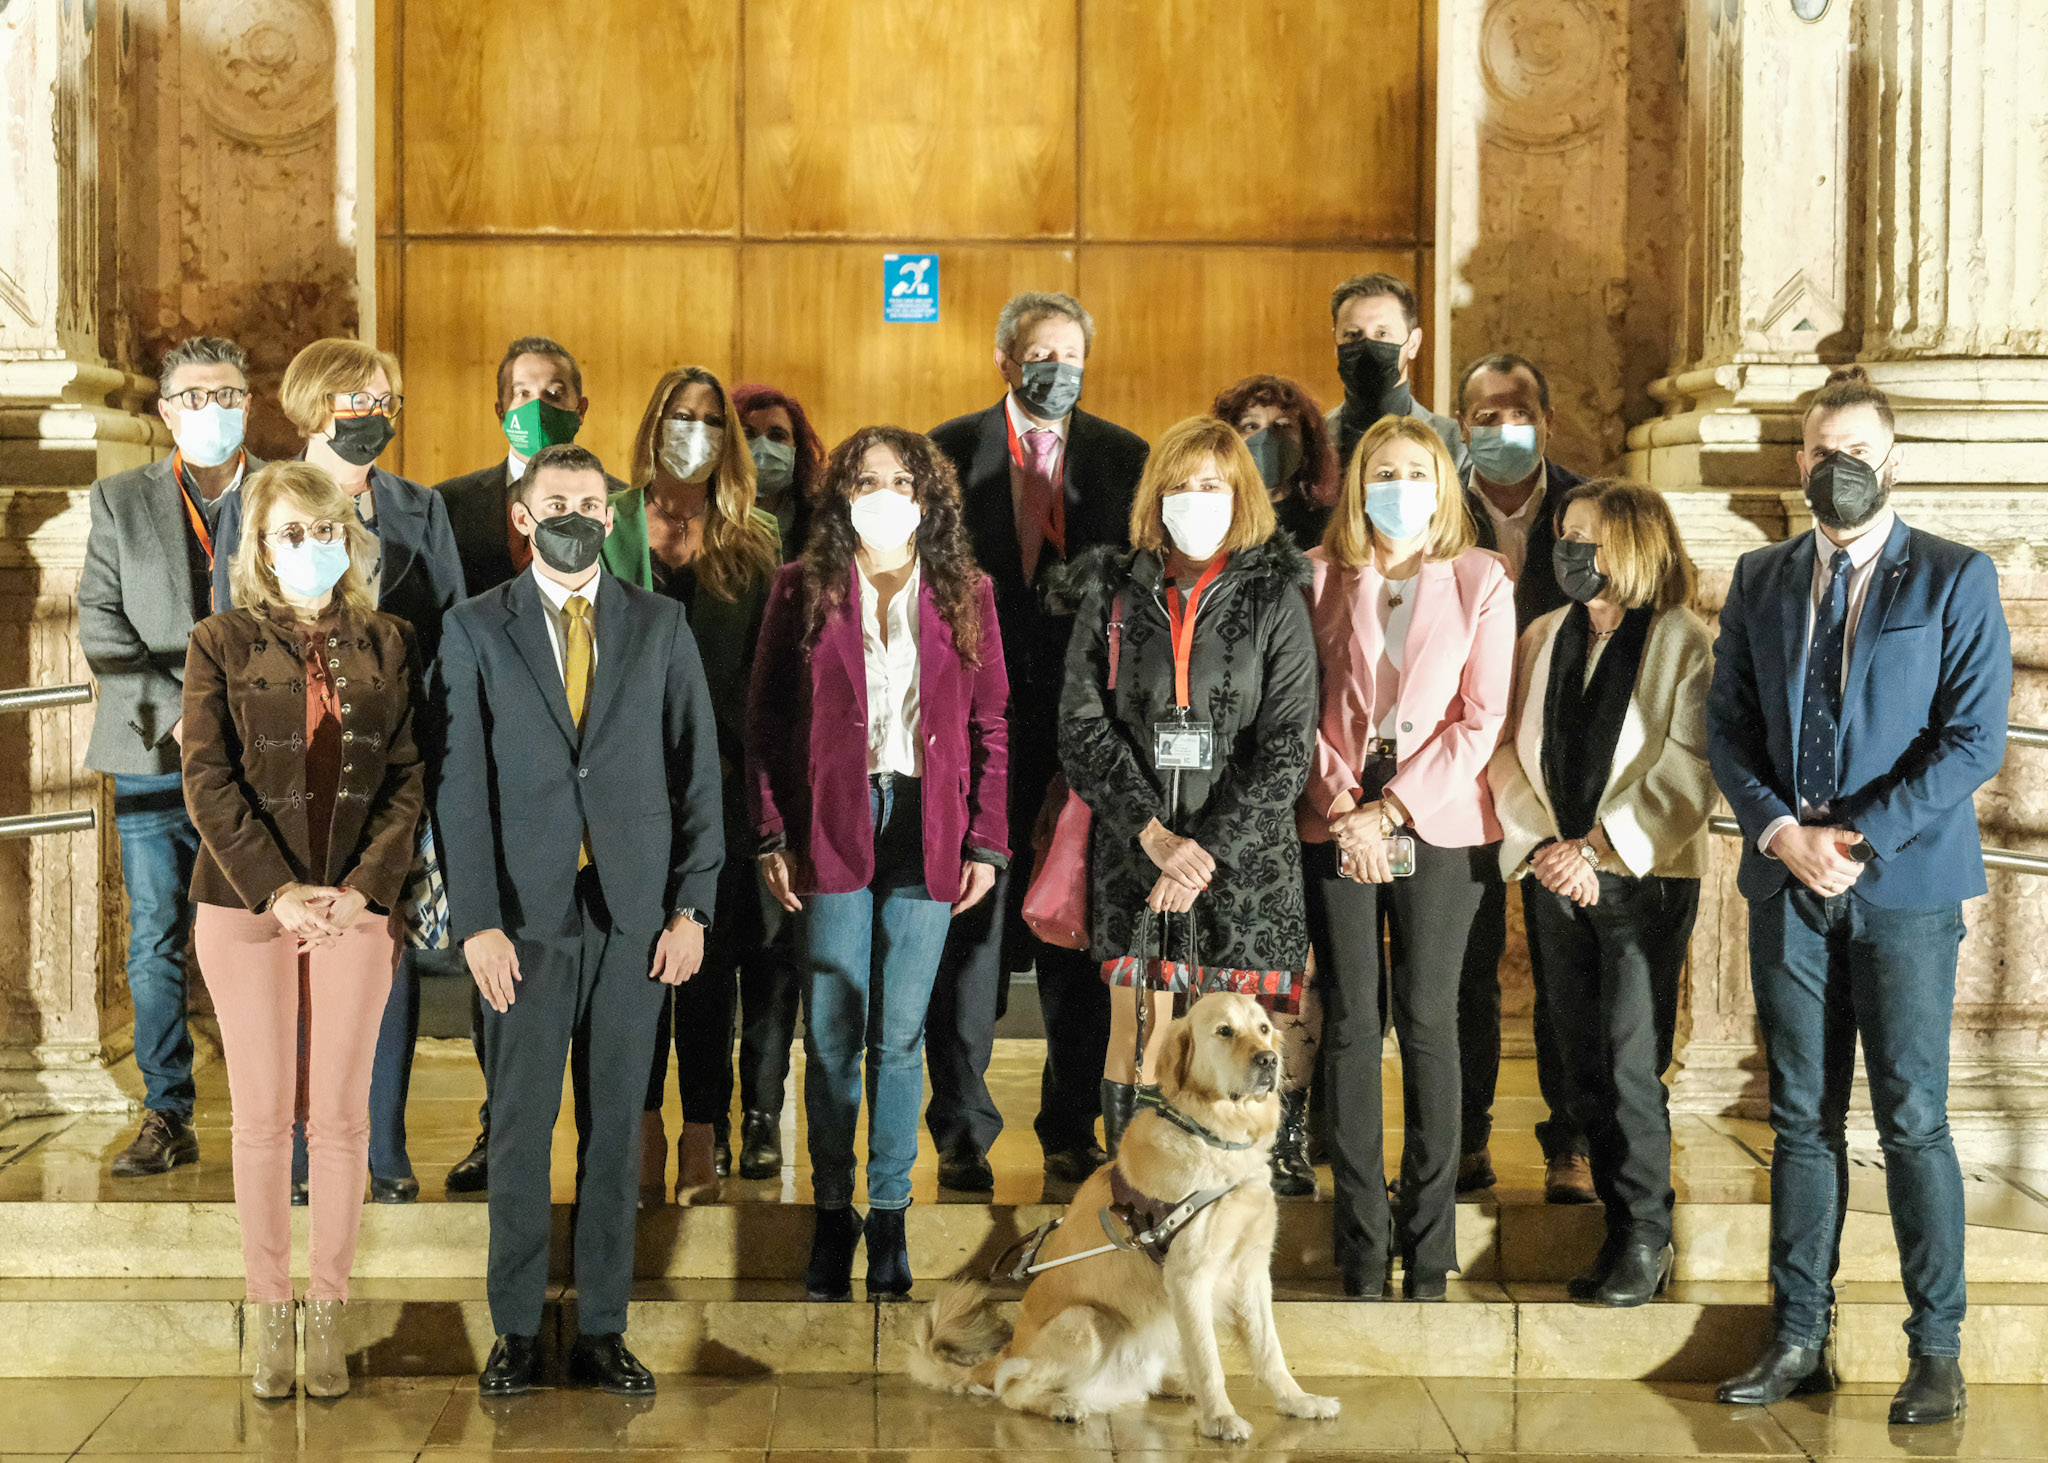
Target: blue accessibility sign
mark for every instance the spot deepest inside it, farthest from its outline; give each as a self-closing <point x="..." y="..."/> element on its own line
<point x="910" y="288"/>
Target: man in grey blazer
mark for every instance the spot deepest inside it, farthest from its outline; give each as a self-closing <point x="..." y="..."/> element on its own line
<point x="1377" y="326"/>
<point x="147" y="581"/>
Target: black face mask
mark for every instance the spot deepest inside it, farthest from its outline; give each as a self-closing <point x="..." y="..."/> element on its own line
<point x="1845" y="492"/>
<point x="1369" y="369"/>
<point x="362" y="440"/>
<point x="1572" y="563"/>
<point x="568" y="543"/>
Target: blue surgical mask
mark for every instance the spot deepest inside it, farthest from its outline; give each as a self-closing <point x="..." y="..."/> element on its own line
<point x="1504" y="455"/>
<point x="774" y="464"/>
<point x="209" y="436"/>
<point x="1278" y="456"/>
<point x="1401" y="509"/>
<point x="307" y="569"/>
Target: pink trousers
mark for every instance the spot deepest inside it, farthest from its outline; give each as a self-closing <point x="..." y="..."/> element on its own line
<point x="271" y="997"/>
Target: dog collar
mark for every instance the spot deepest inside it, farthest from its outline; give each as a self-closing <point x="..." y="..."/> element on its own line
<point x="1157" y="1102"/>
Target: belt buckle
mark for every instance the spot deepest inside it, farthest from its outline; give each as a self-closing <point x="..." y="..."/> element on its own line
<point x="1379" y="746"/>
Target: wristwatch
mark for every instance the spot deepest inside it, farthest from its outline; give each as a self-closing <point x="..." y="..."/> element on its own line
<point x="696" y="917"/>
<point x="1591" y="855"/>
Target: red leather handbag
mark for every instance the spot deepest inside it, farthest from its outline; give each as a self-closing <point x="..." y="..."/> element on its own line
<point x="1056" y="905"/>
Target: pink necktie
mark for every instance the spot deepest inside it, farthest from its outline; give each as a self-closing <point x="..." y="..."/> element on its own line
<point x="1041" y="498"/>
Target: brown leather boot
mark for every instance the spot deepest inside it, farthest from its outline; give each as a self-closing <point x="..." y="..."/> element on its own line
<point x="653" y="1160"/>
<point x="326" y="1355"/>
<point x="696" y="1158"/>
<point x="166" y="1140"/>
<point x="274" y="1333"/>
<point x="1568" y="1179"/>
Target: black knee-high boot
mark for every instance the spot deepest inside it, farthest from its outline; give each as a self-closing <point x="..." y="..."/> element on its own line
<point x="1119" y="1102"/>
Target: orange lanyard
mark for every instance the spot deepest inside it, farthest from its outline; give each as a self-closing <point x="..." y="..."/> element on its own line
<point x="192" y="514"/>
<point x="1181" y="625"/>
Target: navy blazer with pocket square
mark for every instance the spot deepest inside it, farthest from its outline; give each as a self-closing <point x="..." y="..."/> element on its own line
<point x="1923" y="715"/>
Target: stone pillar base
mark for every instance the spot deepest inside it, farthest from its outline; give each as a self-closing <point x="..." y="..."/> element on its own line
<point x="61" y="1077"/>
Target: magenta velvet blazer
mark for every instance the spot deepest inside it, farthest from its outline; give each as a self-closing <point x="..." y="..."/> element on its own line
<point x="807" y="742"/>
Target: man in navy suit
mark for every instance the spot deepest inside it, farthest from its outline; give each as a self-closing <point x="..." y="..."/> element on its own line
<point x="1861" y="681"/>
<point x="580" y="807"/>
<point x="1040" y="480"/>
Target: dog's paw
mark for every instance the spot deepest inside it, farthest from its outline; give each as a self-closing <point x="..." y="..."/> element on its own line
<point x="1226" y="1427"/>
<point x="1066" y="1409"/>
<point x="1307" y="1404"/>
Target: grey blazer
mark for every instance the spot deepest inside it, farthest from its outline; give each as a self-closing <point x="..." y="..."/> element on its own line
<point x="135" y="615"/>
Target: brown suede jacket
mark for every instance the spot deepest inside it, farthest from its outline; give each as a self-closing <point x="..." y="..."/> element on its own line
<point x="244" y="744"/>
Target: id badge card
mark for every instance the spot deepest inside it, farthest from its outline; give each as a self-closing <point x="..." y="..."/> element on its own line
<point x="1183" y="745"/>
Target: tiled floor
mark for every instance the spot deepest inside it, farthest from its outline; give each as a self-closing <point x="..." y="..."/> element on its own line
<point x="849" y="1418"/>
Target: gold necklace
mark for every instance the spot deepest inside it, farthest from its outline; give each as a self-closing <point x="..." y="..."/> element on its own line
<point x="681" y="524"/>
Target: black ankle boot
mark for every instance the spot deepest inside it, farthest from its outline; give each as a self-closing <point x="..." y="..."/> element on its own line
<point x="721" y="1147"/>
<point x="1292" y="1176"/>
<point x="1585" y="1285"/>
<point x="829" y="1276"/>
<point x="1933" y="1392"/>
<point x="1639" y="1274"/>
<point x="761" y="1145"/>
<point x="1119" y="1103"/>
<point x="888" y="1256"/>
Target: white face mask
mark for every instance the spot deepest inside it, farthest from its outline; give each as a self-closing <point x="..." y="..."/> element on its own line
<point x="688" y="449"/>
<point x="1197" y="522"/>
<point x="885" y="520"/>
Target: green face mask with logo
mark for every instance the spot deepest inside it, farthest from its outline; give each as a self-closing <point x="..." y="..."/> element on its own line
<point x="535" y="424"/>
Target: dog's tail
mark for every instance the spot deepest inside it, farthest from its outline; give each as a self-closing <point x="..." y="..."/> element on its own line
<point x="957" y="1333"/>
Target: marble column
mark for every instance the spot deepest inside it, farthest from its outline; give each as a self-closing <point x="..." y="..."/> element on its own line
<point x="1868" y="183"/>
<point x="169" y="168"/>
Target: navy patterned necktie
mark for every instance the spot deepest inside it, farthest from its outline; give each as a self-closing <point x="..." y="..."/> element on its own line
<point x="1820" y="715"/>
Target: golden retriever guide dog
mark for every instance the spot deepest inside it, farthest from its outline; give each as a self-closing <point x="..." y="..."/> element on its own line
<point x="1117" y="1328"/>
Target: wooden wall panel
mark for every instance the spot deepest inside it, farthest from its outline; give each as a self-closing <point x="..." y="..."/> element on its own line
<point x="387" y="84"/>
<point x="628" y="310"/>
<point x="1286" y="121"/>
<point x="605" y="116"/>
<point x="1174" y="326"/>
<point x="811" y="324"/>
<point x="904" y="118"/>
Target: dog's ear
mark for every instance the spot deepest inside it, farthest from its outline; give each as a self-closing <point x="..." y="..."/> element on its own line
<point x="1177" y="1061"/>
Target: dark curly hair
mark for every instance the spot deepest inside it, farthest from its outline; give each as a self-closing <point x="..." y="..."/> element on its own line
<point x="942" y="547"/>
<point x="1316" y="479"/>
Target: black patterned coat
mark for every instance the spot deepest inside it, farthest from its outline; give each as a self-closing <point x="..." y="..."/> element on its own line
<point x="1253" y="674"/>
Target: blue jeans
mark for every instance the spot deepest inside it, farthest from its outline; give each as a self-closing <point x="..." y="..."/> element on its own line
<point x="1825" y="970"/>
<point x="869" y="960"/>
<point x="158" y="847"/>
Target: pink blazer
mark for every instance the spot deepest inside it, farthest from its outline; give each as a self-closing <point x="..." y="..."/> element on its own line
<point x="1457" y="674"/>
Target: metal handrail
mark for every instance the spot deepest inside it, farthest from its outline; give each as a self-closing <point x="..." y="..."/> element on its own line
<point x="2027" y="736"/>
<point x="43" y="698"/>
<point x="1994" y="858"/>
<point x="29" y="825"/>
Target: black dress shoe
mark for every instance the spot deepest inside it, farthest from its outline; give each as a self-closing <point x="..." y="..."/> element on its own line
<point x="1933" y="1392"/>
<point x="968" y="1172"/>
<point x="604" y="1363"/>
<point x="166" y="1140"/>
<point x="302" y="1194"/>
<point x="473" y="1174"/>
<point x="761" y="1145"/>
<point x="1075" y="1165"/>
<point x="834" y="1237"/>
<point x="510" y="1370"/>
<point x="1424" y="1287"/>
<point x="888" y="1255"/>
<point x="394" y="1191"/>
<point x="1782" y="1371"/>
<point x="1585" y="1286"/>
<point x="1640" y="1273"/>
<point x="1370" y="1282"/>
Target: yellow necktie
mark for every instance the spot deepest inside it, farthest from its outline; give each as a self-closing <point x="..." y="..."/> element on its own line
<point x="576" y="678"/>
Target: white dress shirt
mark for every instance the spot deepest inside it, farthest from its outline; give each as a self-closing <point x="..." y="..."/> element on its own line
<point x="1863" y="552"/>
<point x="554" y="598"/>
<point x="515" y="469"/>
<point x="1020" y="424"/>
<point x="895" y="743"/>
<point x="1511" y="530"/>
<point x="1394" y="620"/>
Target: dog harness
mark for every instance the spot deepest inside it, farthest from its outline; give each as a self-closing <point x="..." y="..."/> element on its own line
<point x="1133" y="1219"/>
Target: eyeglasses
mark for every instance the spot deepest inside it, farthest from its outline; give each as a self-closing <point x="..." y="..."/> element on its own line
<point x="326" y="531"/>
<point x="362" y="404"/>
<point x="196" y="398"/>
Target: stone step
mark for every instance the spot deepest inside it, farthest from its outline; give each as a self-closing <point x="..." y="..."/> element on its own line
<point x="1700" y="1332"/>
<point x="1515" y="1239"/>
